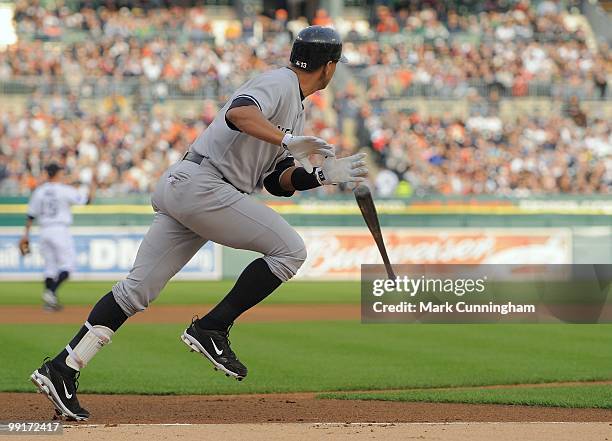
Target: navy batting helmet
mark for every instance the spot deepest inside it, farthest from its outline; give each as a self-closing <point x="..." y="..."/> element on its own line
<point x="315" y="46"/>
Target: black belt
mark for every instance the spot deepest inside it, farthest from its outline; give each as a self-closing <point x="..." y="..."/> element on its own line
<point x="197" y="158"/>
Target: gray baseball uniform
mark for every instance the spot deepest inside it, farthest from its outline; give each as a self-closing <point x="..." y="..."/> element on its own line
<point x="196" y="203"/>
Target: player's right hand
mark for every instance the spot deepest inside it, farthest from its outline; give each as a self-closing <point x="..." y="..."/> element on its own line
<point x="301" y="147"/>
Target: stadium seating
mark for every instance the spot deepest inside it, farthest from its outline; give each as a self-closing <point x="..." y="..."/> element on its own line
<point x="136" y="63"/>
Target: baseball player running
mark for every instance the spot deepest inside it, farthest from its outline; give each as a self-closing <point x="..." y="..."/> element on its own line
<point x="50" y="206"/>
<point x="255" y="139"/>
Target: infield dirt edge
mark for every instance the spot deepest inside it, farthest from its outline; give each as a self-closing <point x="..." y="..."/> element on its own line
<point x="360" y="431"/>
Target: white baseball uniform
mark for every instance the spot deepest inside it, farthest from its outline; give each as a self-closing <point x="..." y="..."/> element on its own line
<point x="50" y="205"/>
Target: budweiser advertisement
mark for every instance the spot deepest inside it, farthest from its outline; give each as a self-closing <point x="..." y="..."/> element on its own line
<point x="337" y="253"/>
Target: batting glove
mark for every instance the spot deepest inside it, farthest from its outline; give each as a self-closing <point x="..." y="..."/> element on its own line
<point x="301" y="147"/>
<point x="337" y="171"/>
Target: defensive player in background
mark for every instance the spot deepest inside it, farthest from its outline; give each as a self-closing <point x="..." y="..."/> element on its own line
<point x="50" y="206"/>
<point x="255" y="139"/>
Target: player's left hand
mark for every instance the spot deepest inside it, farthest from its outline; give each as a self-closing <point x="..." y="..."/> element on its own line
<point x="24" y="246"/>
<point x="336" y="171"/>
<point x="301" y="147"/>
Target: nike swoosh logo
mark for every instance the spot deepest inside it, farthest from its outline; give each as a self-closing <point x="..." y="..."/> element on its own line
<point x="66" y="391"/>
<point x="216" y="348"/>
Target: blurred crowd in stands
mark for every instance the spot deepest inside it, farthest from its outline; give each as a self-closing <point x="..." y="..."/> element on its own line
<point x="414" y="51"/>
<point x="485" y="155"/>
<point x="417" y="156"/>
<point x="168" y="51"/>
<point x="519" y="51"/>
<point x="126" y="150"/>
<point x="131" y="59"/>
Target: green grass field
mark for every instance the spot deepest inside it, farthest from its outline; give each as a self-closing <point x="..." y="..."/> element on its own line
<point x="313" y="356"/>
<point x="183" y="293"/>
<point x="598" y="396"/>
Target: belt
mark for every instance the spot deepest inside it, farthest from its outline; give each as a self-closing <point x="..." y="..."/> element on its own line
<point x="197" y="159"/>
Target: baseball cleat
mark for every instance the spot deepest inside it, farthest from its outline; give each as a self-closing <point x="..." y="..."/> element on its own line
<point x="50" y="308"/>
<point x="215" y="346"/>
<point x="60" y="389"/>
<point x="50" y="302"/>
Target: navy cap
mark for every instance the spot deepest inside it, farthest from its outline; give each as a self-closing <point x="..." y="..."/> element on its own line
<point x="52" y="168"/>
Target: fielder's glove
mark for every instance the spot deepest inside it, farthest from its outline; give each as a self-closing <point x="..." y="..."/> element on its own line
<point x="337" y="171"/>
<point x="24" y="246"/>
<point x="301" y="147"/>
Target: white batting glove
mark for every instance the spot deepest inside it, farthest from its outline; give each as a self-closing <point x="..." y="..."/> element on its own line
<point x="301" y="147"/>
<point x="343" y="170"/>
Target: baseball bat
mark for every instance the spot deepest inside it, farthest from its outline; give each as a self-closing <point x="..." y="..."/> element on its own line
<point x="368" y="210"/>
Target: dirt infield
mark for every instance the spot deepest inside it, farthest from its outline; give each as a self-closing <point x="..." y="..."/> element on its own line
<point x="388" y="432"/>
<point x="183" y="314"/>
<point x="284" y="408"/>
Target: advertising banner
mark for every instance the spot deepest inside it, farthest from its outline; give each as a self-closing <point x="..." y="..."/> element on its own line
<point x="333" y="253"/>
<point x="101" y="254"/>
<point x="339" y="253"/>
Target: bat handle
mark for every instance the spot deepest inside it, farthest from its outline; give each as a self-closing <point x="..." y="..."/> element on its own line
<point x="386" y="261"/>
<point x="391" y="274"/>
<point x="389" y="268"/>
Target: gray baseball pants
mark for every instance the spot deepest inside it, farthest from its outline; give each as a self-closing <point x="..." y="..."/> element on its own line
<point x="193" y="204"/>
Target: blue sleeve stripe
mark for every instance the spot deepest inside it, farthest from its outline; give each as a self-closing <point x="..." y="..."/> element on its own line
<point x="251" y="98"/>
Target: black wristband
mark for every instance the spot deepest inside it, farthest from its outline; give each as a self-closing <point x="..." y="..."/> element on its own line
<point x="302" y="180"/>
